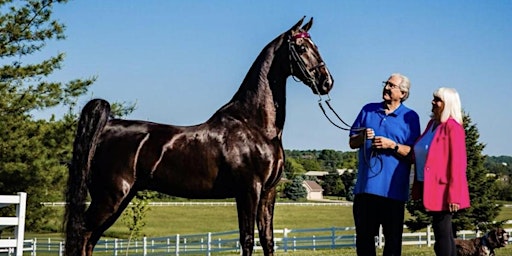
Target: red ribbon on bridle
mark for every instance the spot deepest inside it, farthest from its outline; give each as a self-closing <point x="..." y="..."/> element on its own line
<point x="301" y="35"/>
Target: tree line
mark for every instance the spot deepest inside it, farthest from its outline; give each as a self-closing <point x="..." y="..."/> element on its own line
<point x="34" y="153"/>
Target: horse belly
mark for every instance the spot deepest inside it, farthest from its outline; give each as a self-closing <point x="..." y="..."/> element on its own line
<point x="193" y="183"/>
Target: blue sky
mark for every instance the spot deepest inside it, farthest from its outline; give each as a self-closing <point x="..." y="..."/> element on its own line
<point x="179" y="61"/>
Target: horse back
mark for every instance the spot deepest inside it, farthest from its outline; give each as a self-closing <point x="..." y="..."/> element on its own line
<point x="210" y="160"/>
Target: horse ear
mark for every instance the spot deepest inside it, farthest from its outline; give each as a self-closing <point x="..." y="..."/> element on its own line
<point x="297" y="26"/>
<point x="308" y="25"/>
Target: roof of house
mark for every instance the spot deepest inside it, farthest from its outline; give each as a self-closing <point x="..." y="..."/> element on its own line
<point x="316" y="173"/>
<point x="313" y="186"/>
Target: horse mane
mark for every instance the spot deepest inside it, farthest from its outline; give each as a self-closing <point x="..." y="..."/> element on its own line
<point x="256" y="77"/>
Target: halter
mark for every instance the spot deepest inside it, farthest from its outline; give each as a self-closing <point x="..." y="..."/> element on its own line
<point x="311" y="79"/>
<point x="307" y="73"/>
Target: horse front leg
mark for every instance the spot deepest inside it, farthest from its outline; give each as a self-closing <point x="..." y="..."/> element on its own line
<point x="265" y="221"/>
<point x="246" y="203"/>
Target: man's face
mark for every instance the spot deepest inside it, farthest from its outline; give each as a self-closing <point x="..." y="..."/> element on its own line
<point x="391" y="90"/>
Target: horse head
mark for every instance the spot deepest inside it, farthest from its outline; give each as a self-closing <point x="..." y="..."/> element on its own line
<point x="306" y="62"/>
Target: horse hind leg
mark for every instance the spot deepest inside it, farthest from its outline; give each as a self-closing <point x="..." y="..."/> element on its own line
<point x="265" y="220"/>
<point x="102" y="214"/>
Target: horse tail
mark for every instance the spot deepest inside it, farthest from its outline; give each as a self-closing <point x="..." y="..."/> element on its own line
<point x="92" y="120"/>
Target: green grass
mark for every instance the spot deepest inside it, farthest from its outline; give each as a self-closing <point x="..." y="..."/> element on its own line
<point x="196" y="219"/>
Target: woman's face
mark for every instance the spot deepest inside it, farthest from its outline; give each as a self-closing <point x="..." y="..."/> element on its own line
<point x="437" y="107"/>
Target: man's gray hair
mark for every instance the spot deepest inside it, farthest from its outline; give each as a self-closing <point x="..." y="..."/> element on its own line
<point x="404" y="85"/>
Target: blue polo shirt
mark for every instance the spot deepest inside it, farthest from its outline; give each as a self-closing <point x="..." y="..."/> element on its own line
<point x="380" y="171"/>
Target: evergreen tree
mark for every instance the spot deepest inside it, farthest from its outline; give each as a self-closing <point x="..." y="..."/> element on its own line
<point x="33" y="153"/>
<point x="295" y="190"/>
<point x="484" y="208"/>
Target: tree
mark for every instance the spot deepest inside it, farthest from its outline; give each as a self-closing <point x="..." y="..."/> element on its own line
<point x="33" y="153"/>
<point x="133" y="216"/>
<point x="330" y="159"/>
<point x="349" y="160"/>
<point x="292" y="168"/>
<point x="294" y="190"/>
<point x="349" y="181"/>
<point x="310" y="164"/>
<point x="333" y="185"/>
<point x="483" y="193"/>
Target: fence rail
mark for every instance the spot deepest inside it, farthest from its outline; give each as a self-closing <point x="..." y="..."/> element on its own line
<point x="208" y="243"/>
<point x="335" y="203"/>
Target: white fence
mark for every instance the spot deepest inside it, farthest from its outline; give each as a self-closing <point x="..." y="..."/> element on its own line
<point x="15" y="244"/>
<point x="209" y="243"/>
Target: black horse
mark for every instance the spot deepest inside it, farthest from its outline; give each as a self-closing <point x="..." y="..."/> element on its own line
<point x="237" y="153"/>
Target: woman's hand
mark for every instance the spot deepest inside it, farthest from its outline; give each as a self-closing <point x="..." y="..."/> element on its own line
<point x="453" y="207"/>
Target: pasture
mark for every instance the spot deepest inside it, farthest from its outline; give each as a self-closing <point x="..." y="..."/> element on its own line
<point x="195" y="219"/>
<point x="191" y="219"/>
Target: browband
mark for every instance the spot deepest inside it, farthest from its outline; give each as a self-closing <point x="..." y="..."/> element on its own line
<point x="301" y="35"/>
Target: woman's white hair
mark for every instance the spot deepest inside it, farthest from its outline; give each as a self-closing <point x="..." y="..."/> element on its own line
<point x="452" y="104"/>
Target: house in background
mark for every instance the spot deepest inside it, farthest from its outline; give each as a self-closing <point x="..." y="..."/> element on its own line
<point x="315" y="191"/>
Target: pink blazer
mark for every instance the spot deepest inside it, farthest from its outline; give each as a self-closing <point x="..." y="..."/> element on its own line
<point x="445" y="169"/>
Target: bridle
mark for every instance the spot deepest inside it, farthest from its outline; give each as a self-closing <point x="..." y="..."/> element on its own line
<point x="295" y="56"/>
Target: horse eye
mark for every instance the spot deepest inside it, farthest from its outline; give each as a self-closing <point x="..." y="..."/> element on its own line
<point x="302" y="49"/>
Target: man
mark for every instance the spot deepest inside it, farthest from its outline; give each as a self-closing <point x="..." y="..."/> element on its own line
<point x="384" y="133"/>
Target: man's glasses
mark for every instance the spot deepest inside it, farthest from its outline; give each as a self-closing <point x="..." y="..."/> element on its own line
<point x="389" y="84"/>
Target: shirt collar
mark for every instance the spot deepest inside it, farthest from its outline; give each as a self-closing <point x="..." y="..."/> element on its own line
<point x="394" y="113"/>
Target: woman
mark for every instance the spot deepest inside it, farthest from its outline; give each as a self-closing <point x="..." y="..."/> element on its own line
<point x="440" y="177"/>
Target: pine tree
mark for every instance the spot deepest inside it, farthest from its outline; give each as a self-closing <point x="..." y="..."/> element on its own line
<point x="294" y="190"/>
<point x="33" y="153"/>
<point x="482" y="187"/>
<point x="484" y="208"/>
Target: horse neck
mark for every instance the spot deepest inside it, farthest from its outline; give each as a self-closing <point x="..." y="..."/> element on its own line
<point x="261" y="98"/>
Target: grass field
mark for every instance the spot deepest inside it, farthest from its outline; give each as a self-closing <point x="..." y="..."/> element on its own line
<point x="196" y="219"/>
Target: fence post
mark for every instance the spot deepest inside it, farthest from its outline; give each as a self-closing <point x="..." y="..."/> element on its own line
<point x="429" y="235"/>
<point x="379" y="240"/>
<point x="144" y="246"/>
<point x="20" y="200"/>
<point x="34" y="246"/>
<point x="285" y="239"/>
<point x="115" y="247"/>
<point x="177" y="249"/>
<point x="209" y="244"/>
<point x="333" y="239"/>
